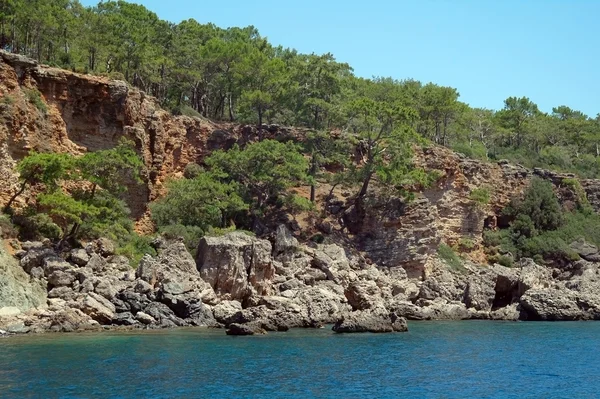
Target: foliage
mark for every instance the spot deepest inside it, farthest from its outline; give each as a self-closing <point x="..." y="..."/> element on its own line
<point x="33" y="225"/>
<point x="447" y="254"/>
<point x="81" y="212"/>
<point x="263" y="170"/>
<point x="7" y="228"/>
<point x="110" y="169"/>
<point x="466" y="244"/>
<point x="236" y="74"/>
<point x="186" y="110"/>
<point x="200" y="202"/>
<point x="192" y="170"/>
<point x="298" y="204"/>
<point x="191" y="235"/>
<point x="481" y="196"/>
<point x="135" y="247"/>
<point x="35" y="97"/>
<point x="541" y="229"/>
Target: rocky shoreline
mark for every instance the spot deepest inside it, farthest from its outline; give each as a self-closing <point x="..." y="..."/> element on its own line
<point x="250" y="286"/>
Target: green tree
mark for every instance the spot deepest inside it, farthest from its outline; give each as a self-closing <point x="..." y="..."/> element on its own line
<point x="201" y="202"/>
<point x="38" y="168"/>
<point x="264" y="170"/>
<point x="385" y="139"/>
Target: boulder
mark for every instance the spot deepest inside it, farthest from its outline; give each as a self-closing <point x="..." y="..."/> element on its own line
<point x="284" y="240"/>
<point x="124" y="319"/>
<point x="98" y="308"/>
<point x="35" y="258"/>
<point x="144" y="318"/>
<point x="550" y="304"/>
<point x="363" y="295"/>
<point x="376" y="321"/>
<point x="236" y="265"/>
<point x="163" y="315"/>
<point x="79" y="256"/>
<point x="17" y="289"/>
<point x="188" y="305"/>
<point x="225" y="311"/>
<point x="480" y="291"/>
<point x="105" y="288"/>
<point x="245" y="329"/>
<point x="586" y="250"/>
<point x="60" y="278"/>
<point x="102" y="246"/>
<point x="332" y="260"/>
<point x="532" y="276"/>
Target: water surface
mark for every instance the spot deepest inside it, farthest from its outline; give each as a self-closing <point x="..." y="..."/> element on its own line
<point x="469" y="359"/>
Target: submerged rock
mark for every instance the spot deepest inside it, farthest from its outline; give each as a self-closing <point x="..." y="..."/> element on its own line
<point x="374" y="321"/>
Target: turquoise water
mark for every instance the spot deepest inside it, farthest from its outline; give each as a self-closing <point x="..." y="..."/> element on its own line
<point x="434" y="360"/>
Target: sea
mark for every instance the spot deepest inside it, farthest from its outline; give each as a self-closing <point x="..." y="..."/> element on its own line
<point x="465" y="359"/>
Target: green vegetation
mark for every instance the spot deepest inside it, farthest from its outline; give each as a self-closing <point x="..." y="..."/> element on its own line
<point x="235" y="74"/>
<point x="541" y="229"/>
<point x="35" y="97"/>
<point x="447" y="254"/>
<point x="90" y="208"/>
<point x="480" y="196"/>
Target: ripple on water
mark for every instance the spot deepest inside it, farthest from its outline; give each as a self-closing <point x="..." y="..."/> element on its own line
<point x="474" y="359"/>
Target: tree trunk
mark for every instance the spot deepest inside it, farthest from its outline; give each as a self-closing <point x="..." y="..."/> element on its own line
<point x="14" y="197"/>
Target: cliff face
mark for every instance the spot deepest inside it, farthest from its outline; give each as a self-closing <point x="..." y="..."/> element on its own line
<point x="82" y="113"/>
<point x="408" y="234"/>
<point x="44" y="108"/>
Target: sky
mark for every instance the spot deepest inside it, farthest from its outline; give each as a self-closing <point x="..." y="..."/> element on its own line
<point x="547" y="50"/>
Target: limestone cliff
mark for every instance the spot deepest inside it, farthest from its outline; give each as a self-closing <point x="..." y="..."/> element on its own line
<point x="44" y="108"/>
<point x="17" y="289"/>
<point x="80" y="113"/>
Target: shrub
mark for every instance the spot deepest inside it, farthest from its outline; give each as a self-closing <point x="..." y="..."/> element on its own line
<point x="135" y="247"/>
<point x="7" y="100"/>
<point x="466" y="244"/>
<point x="506" y="260"/>
<point x="580" y="196"/>
<point x="35" y="97"/>
<point x="186" y="110"/>
<point x="191" y="235"/>
<point x="192" y="170"/>
<point x="447" y="254"/>
<point x="539" y="204"/>
<point x="480" y="196"/>
<point x="475" y="150"/>
<point x="35" y="226"/>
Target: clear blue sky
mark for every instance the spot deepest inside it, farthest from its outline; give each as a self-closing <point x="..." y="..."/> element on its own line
<point x="547" y="50"/>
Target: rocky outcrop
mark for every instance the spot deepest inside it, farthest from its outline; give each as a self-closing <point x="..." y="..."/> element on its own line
<point x="375" y="320"/>
<point x="18" y="290"/>
<point x="236" y="265"/>
<point x="250" y="286"/>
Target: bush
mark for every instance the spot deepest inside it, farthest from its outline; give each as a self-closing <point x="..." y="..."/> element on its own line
<point x="539" y="204"/>
<point x="481" y="196"/>
<point x="447" y="254"/>
<point x="36" y="226"/>
<point x="7" y="100"/>
<point x="186" y="110"/>
<point x="466" y="244"/>
<point x="192" y="170"/>
<point x="35" y="97"/>
<point x="135" y="247"/>
<point x="506" y="260"/>
<point x="476" y="150"/>
<point x="191" y="235"/>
